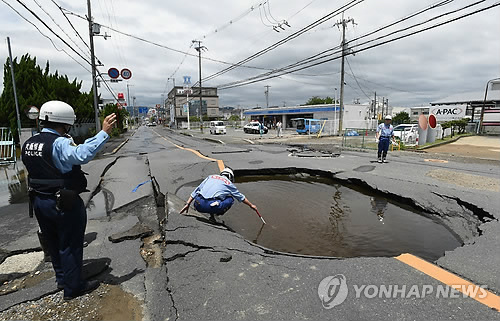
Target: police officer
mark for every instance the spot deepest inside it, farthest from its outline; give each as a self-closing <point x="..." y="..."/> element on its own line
<point x="385" y="133"/>
<point x="55" y="180"/>
<point x="216" y="194"/>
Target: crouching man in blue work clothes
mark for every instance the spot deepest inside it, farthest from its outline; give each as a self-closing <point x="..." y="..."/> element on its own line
<point x="385" y="133"/>
<point x="216" y="194"/>
<point x="55" y="180"/>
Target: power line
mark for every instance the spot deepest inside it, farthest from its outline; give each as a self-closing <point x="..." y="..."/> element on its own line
<point x="268" y="76"/>
<point x="286" y="39"/>
<point x="70" y="23"/>
<point x="64" y="31"/>
<point x="52" y="31"/>
<point x="234" y="20"/>
<point x="50" y="39"/>
<point x="161" y="45"/>
<point x="324" y="52"/>
<point x="349" y="65"/>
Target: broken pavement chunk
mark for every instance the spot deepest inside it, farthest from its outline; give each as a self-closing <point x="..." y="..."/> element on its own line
<point x="139" y="230"/>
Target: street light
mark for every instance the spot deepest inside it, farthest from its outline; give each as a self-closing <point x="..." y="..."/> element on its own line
<point x="492" y="81"/>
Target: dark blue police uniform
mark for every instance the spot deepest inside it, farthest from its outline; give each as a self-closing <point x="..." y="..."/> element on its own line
<point x="59" y="209"/>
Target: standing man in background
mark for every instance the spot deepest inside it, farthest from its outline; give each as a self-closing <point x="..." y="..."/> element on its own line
<point x="55" y="180"/>
<point x="279" y="127"/>
<point x="385" y="133"/>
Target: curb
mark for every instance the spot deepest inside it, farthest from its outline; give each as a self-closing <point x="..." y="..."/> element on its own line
<point x="443" y="143"/>
<point x="218" y="141"/>
<point x="118" y="148"/>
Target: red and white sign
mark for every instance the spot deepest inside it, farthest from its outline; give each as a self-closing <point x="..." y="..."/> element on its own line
<point x="121" y="96"/>
<point x="126" y="73"/>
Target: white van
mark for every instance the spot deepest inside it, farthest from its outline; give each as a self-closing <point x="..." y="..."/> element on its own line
<point x="217" y="127"/>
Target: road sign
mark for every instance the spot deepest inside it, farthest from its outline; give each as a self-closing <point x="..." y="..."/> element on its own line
<point x="113" y="73"/>
<point x="187" y="80"/>
<point x="185" y="107"/>
<point x="126" y="73"/>
<point x="33" y="112"/>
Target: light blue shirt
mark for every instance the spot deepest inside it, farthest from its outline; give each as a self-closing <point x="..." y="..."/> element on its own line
<point x="216" y="186"/>
<point x="385" y="131"/>
<point x="65" y="153"/>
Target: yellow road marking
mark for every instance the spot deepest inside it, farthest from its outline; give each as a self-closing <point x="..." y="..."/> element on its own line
<point x="219" y="162"/>
<point x="491" y="300"/>
<point x="436" y="160"/>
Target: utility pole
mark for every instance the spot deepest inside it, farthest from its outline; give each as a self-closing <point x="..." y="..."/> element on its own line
<point x="199" y="48"/>
<point x="128" y="94"/>
<point x="375" y="107"/>
<point x="342" y="23"/>
<point x="383" y="105"/>
<point x="94" y="70"/>
<point x="267" y="95"/>
<point x="11" y="63"/>
<point x="172" y="110"/>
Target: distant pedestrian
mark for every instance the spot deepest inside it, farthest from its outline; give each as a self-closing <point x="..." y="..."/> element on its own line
<point x="261" y="129"/>
<point x="279" y="127"/>
<point x="385" y="133"/>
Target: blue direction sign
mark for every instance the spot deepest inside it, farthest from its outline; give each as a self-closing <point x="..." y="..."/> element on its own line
<point x="187" y="80"/>
<point x="113" y="73"/>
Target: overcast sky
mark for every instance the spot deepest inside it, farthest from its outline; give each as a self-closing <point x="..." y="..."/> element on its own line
<point x="458" y="57"/>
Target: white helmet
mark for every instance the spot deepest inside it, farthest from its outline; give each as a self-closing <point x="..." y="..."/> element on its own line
<point x="388" y="117"/>
<point x="56" y="111"/>
<point x="227" y="172"/>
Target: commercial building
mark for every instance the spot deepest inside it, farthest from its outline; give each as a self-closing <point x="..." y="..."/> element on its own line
<point x="177" y="103"/>
<point x="355" y="116"/>
<point x="473" y="103"/>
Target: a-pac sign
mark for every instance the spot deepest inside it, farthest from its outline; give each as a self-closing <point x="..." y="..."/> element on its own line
<point x="448" y="112"/>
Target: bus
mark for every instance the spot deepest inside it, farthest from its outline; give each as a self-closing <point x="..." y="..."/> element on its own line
<point x="307" y="125"/>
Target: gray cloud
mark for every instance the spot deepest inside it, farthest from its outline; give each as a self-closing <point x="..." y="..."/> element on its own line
<point x="454" y="58"/>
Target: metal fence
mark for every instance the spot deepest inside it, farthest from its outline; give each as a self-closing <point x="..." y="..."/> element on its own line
<point x="359" y="138"/>
<point x="7" y="146"/>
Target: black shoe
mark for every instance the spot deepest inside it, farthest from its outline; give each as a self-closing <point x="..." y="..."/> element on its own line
<point x="87" y="288"/>
<point x="379" y="160"/>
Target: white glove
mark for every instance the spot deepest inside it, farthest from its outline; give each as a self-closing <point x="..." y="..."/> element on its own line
<point x="377" y="140"/>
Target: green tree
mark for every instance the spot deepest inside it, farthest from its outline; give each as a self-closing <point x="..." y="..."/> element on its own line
<point x="36" y="85"/>
<point x="401" y="118"/>
<point x="121" y="115"/>
<point x="316" y="100"/>
<point x="234" y="118"/>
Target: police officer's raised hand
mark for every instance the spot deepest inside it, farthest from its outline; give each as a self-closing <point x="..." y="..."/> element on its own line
<point x="108" y="123"/>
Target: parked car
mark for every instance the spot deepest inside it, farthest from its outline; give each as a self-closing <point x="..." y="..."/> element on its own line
<point x="217" y="127"/>
<point x="407" y="133"/>
<point x="253" y="128"/>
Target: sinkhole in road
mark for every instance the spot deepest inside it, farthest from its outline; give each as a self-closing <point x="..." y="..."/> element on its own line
<point x="313" y="215"/>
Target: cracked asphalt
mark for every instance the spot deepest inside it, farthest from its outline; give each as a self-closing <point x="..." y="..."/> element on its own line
<point x="186" y="268"/>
